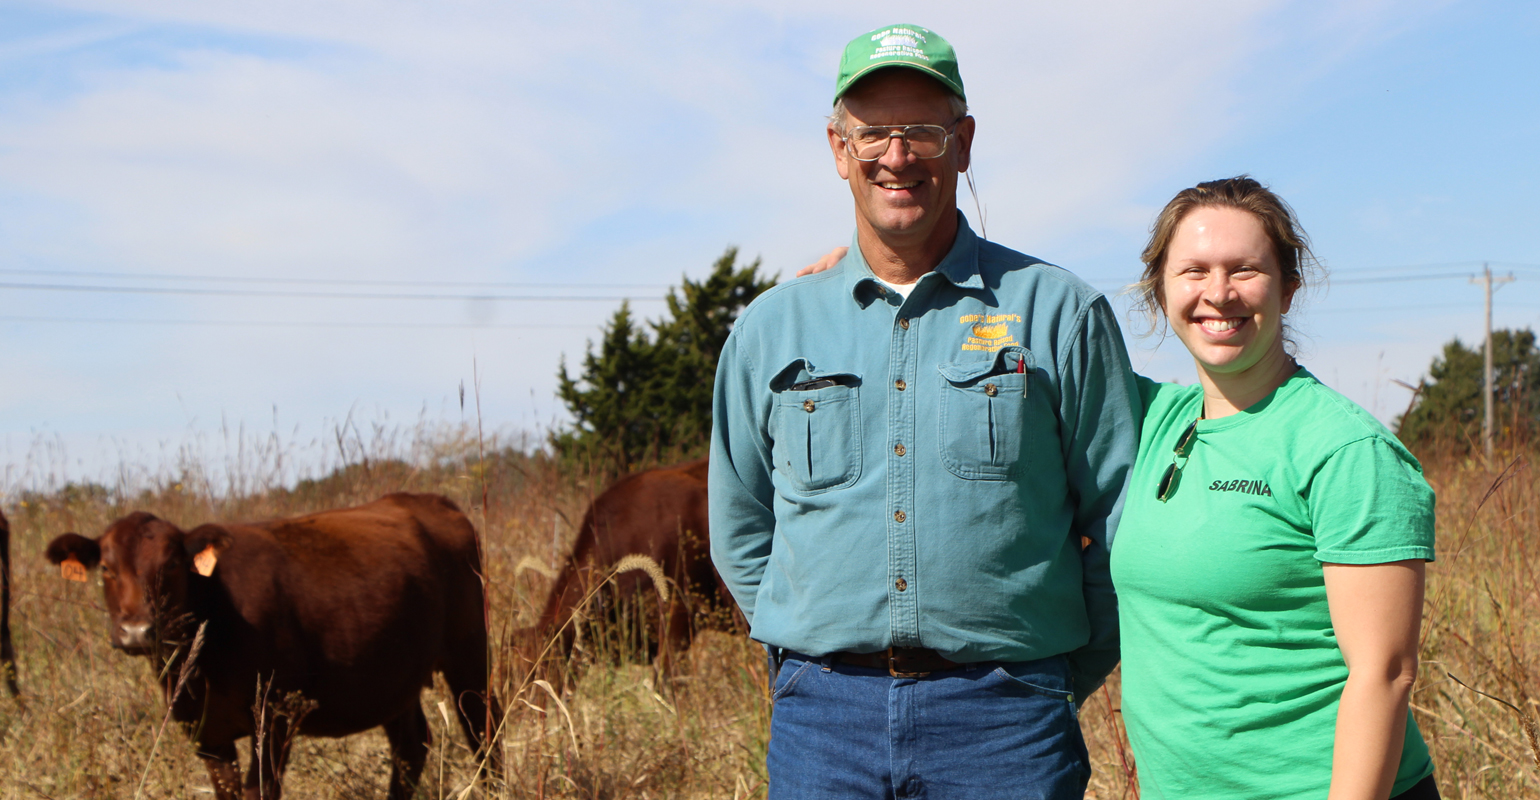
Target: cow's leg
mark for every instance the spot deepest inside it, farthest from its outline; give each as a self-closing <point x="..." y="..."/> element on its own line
<point x="467" y="679"/>
<point x="224" y="770"/>
<point x="675" y="637"/>
<point x="409" y="737"/>
<point x="269" y="758"/>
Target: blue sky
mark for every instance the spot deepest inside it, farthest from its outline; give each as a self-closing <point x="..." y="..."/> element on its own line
<point x="604" y="149"/>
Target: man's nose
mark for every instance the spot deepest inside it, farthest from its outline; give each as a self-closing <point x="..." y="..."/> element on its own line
<point x="897" y="156"/>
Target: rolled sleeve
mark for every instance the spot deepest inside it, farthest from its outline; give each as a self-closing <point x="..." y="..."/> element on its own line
<point x="740" y="492"/>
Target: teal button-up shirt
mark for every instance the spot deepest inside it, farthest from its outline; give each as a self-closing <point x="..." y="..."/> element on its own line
<point x="919" y="473"/>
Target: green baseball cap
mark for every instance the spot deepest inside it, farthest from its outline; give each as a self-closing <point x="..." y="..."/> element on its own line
<point x="899" y="46"/>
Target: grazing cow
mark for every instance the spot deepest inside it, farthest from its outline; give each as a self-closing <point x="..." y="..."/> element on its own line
<point x="331" y="623"/>
<point x="659" y="513"/>
<point x="7" y="652"/>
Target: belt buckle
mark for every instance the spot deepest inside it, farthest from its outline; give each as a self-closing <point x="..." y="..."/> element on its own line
<point x="896" y="672"/>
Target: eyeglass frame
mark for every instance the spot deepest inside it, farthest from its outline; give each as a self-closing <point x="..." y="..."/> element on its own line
<point x="901" y="132"/>
<point x="1183" y="451"/>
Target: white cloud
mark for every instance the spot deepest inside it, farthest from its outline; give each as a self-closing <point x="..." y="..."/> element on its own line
<point x="606" y="142"/>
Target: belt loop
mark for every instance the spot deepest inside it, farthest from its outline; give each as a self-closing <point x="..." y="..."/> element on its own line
<point x="773" y="658"/>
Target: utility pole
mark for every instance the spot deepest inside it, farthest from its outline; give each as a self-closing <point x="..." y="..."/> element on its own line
<point x="1486" y="280"/>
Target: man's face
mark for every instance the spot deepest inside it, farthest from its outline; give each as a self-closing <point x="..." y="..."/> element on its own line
<point x="901" y="198"/>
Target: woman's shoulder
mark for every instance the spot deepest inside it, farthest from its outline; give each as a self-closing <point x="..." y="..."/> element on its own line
<point x="1330" y="420"/>
<point x="1159" y="398"/>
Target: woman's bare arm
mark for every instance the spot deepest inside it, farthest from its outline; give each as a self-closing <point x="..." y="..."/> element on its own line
<point x="1376" y="610"/>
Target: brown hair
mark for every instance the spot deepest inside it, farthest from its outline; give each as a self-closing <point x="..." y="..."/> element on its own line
<point x="1290" y="244"/>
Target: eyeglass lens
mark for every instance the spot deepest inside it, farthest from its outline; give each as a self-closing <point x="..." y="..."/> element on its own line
<point x="1173" y="476"/>
<point x="1168" y="482"/>
<point x="868" y="143"/>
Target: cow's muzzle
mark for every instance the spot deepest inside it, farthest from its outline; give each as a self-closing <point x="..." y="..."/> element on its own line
<point x="132" y="637"/>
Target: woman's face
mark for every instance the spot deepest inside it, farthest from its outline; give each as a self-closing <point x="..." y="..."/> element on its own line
<point x="1224" y="294"/>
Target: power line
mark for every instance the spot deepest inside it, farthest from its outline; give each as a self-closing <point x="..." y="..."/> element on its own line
<point x="67" y="287"/>
<point x="1313" y="310"/>
<point x="1398" y="278"/>
<point x="168" y="276"/>
<point x="271" y="324"/>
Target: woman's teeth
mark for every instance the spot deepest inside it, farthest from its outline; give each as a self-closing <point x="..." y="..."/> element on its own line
<point x="1220" y="325"/>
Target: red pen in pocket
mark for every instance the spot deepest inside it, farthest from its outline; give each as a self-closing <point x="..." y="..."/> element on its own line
<point x="1021" y="365"/>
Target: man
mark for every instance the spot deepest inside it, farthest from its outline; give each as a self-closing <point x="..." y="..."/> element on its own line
<point x="907" y="451"/>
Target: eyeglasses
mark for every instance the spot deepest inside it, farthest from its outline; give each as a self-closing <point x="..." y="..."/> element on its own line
<point x="1173" y="474"/>
<point x="869" y="142"/>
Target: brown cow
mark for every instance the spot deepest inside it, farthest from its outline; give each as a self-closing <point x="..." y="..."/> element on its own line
<point x="659" y="513"/>
<point x="7" y="652"/>
<point x="335" y="620"/>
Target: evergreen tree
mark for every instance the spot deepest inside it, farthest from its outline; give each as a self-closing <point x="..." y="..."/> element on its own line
<point x="1449" y="407"/>
<point x="645" y="396"/>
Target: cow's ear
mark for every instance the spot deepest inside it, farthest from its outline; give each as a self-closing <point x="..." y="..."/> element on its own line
<point x="204" y="544"/>
<point x="74" y="547"/>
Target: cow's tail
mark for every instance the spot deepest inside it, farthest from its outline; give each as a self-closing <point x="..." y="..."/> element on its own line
<point x="7" y="650"/>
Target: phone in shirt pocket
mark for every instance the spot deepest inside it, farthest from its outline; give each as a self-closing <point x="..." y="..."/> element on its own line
<point x="815" y="427"/>
<point x="984" y="430"/>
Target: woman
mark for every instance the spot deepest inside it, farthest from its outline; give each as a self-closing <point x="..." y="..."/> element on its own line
<point x="1270" y="558"/>
<point x="1269" y="562"/>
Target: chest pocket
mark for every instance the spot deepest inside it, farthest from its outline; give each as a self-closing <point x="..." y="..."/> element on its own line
<point x="984" y="430"/>
<point x="816" y="431"/>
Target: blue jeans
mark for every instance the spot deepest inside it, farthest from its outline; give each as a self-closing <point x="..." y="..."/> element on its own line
<point x="986" y="731"/>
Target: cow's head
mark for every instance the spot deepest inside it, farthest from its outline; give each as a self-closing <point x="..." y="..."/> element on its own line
<point x="148" y="566"/>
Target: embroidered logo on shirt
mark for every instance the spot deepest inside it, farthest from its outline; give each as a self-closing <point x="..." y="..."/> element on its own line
<point x="989" y="332"/>
<point x="1244" y="487"/>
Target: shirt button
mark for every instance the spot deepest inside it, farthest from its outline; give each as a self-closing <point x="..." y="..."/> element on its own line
<point x="903" y="322"/>
<point x="807" y="405"/>
<point x="989" y="389"/>
<point x="901" y="584"/>
<point x="899" y="450"/>
<point x="899" y="384"/>
<point x="899" y="516"/>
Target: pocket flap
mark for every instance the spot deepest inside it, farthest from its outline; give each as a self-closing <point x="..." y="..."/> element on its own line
<point x="801" y="369"/>
<point x="1007" y="360"/>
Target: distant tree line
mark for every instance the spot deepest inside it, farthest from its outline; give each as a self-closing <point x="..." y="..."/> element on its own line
<point x="644" y="394"/>
<point x="1448" y="410"/>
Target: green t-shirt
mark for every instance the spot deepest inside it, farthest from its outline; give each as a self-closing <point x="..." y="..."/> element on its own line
<point x="1231" y="670"/>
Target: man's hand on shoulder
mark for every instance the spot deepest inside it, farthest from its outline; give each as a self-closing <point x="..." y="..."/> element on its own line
<point x="827" y="262"/>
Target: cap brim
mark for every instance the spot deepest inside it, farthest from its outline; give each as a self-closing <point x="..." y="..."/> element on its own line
<point x="856" y="78"/>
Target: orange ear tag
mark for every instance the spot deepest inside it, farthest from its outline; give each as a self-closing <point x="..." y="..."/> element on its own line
<point x="204" y="561"/>
<point x="72" y="570"/>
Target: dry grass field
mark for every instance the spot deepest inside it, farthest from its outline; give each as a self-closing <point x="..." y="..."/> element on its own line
<point x="91" y="722"/>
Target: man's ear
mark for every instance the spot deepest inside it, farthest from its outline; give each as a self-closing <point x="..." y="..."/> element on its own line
<point x="841" y="155"/>
<point x="964" y="142"/>
<point x="204" y="544"/>
<point x="72" y="545"/>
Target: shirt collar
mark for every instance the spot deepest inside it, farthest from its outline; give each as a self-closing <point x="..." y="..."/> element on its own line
<point x="960" y="266"/>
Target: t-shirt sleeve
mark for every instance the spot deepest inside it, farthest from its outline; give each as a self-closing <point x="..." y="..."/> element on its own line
<point x="1369" y="504"/>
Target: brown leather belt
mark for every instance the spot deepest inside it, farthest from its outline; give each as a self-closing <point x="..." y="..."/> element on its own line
<point x="900" y="662"/>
